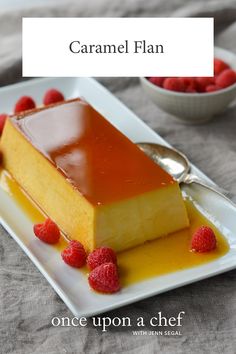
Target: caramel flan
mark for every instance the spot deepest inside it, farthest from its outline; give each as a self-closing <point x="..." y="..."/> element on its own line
<point x="90" y="178"/>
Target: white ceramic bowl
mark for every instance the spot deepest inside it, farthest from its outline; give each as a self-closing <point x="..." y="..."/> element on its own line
<point x="194" y="107"/>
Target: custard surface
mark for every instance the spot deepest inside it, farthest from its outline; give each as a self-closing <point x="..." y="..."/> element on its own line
<point x="94" y="157"/>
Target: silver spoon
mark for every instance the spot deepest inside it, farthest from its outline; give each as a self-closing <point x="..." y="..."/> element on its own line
<point x="177" y="165"/>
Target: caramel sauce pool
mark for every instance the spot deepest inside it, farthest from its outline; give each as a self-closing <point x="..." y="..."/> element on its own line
<point x="162" y="256"/>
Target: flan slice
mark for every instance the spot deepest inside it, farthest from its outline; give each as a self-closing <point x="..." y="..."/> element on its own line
<point x="90" y="178"/>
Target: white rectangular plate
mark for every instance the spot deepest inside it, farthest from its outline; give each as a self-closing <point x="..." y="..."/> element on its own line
<point x="70" y="284"/>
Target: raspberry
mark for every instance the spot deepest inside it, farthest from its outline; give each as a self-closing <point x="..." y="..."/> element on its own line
<point x="191" y="88"/>
<point x="74" y="255"/>
<point x="99" y="256"/>
<point x="203" y="82"/>
<point x="158" y="81"/>
<point x="105" y="278"/>
<point x="219" y="66"/>
<point x="3" y="118"/>
<point x="226" y="78"/>
<point x="174" y="84"/>
<point x="24" y="104"/>
<point x="52" y="96"/>
<point x="190" y="84"/>
<point x="47" y="232"/>
<point x="188" y="81"/>
<point x="212" y="88"/>
<point x="203" y="240"/>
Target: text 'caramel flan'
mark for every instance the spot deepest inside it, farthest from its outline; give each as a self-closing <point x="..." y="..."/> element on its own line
<point x="90" y="178"/>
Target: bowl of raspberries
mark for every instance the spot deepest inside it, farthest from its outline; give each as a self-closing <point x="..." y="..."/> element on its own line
<point x="196" y="99"/>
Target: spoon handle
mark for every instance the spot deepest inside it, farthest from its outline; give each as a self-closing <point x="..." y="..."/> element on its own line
<point x="189" y="179"/>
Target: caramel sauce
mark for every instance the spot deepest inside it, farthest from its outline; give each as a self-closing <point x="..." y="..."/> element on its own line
<point x="155" y="258"/>
<point x="171" y="253"/>
<point x="97" y="159"/>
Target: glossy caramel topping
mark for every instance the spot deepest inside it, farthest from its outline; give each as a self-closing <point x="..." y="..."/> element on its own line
<point x="98" y="160"/>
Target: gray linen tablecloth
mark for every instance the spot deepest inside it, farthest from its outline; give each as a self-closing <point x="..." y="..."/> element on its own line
<point x="28" y="302"/>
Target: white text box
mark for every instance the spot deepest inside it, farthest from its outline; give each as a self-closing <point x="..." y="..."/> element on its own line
<point x="118" y="46"/>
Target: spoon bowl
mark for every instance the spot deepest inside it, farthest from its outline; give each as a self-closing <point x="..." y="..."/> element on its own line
<point x="177" y="165"/>
<point x="171" y="160"/>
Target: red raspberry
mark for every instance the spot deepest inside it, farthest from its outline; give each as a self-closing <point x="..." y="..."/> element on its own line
<point x="47" y="232"/>
<point x="212" y="88"/>
<point x="99" y="256"/>
<point x="24" y="104"/>
<point x="174" y="84"/>
<point x="74" y="255"/>
<point x="158" y="81"/>
<point x="203" y="82"/>
<point x="219" y="66"/>
<point x="3" y="118"/>
<point x="188" y="81"/>
<point x="190" y="84"/>
<point x="226" y="78"/>
<point x="203" y="240"/>
<point x="52" y="96"/>
<point x="105" y="278"/>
